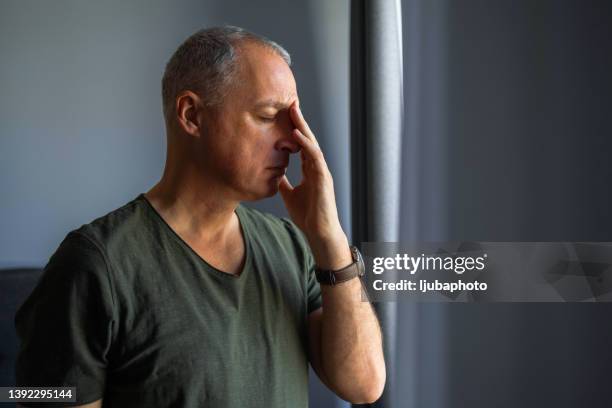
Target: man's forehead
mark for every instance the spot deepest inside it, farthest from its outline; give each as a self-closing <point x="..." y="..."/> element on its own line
<point x="267" y="76"/>
<point x="276" y="89"/>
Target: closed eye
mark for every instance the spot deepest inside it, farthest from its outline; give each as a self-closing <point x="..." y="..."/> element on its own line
<point x="267" y="119"/>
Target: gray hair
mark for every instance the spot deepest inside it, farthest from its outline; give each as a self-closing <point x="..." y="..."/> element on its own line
<point x="206" y="63"/>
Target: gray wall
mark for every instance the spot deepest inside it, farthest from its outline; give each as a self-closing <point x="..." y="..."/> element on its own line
<point x="81" y="131"/>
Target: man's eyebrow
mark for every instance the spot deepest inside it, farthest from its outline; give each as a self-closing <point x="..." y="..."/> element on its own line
<point x="273" y="103"/>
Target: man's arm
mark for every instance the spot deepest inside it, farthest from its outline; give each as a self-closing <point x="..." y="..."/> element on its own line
<point x="65" y="326"/>
<point x="345" y="338"/>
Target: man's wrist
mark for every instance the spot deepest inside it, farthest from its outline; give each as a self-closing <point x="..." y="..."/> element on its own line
<point x="353" y="270"/>
<point x="331" y="253"/>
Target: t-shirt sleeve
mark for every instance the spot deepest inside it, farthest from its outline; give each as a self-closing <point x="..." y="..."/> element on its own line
<point x="312" y="285"/>
<point x="313" y="289"/>
<point x="65" y="327"/>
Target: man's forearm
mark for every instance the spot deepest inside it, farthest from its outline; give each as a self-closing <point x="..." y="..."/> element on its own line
<point x="352" y="355"/>
<point x="349" y="352"/>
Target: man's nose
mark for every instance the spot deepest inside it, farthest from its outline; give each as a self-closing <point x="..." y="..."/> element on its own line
<point x="287" y="143"/>
<point x="286" y="140"/>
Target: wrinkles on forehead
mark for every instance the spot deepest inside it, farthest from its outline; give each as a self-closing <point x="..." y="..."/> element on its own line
<point x="278" y="104"/>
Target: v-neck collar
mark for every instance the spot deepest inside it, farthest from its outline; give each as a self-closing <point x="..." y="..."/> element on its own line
<point x="185" y="245"/>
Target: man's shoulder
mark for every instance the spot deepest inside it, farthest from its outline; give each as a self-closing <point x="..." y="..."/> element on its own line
<point x="119" y="224"/>
<point x="83" y="255"/>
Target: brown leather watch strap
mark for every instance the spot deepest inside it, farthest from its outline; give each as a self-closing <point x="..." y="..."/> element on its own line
<point x="330" y="277"/>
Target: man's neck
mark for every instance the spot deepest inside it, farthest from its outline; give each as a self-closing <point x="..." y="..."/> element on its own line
<point x="199" y="213"/>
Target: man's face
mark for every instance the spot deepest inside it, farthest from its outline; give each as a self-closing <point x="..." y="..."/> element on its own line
<point x="247" y="147"/>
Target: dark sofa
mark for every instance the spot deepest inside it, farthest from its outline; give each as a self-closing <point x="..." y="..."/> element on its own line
<point x="15" y="286"/>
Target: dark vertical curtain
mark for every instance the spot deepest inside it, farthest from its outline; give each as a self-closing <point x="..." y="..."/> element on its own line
<point x="376" y="136"/>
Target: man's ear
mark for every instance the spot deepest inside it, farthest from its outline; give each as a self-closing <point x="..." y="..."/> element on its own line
<point x="189" y="113"/>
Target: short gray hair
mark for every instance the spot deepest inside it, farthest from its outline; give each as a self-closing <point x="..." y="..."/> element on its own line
<point x="206" y="64"/>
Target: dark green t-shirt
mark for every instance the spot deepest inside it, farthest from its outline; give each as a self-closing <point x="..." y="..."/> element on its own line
<point x="126" y="311"/>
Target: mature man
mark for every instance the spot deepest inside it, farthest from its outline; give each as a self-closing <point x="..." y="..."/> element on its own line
<point x="184" y="297"/>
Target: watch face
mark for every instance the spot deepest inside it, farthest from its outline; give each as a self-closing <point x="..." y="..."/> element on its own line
<point x="361" y="268"/>
<point x="355" y="254"/>
<point x="357" y="258"/>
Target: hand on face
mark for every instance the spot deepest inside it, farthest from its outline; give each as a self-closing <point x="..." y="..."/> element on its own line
<point x="311" y="204"/>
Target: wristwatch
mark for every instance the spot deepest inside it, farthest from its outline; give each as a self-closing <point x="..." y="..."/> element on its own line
<point x="331" y="277"/>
